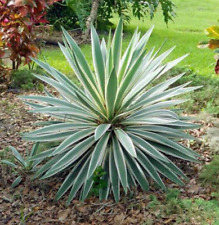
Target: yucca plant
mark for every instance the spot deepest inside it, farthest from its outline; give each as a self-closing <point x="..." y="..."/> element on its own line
<point x="113" y="120"/>
<point x="22" y="165"/>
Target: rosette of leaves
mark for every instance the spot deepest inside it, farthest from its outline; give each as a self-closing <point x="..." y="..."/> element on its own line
<point x="213" y="33"/>
<point x="114" y="120"/>
<point x="22" y="165"/>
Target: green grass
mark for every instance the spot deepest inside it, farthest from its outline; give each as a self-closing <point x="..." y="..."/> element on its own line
<point x="184" y="33"/>
<point x="182" y="210"/>
<point x="210" y="174"/>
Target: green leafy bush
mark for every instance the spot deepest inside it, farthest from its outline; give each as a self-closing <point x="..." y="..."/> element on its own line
<point x="123" y="8"/>
<point x="25" y="79"/>
<point x="61" y="15"/>
<point x="82" y="9"/>
<point x="114" y="121"/>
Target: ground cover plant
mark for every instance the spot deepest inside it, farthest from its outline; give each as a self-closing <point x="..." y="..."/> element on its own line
<point x="25" y="80"/>
<point x="114" y="121"/>
<point x="210" y="173"/>
<point x="184" y="210"/>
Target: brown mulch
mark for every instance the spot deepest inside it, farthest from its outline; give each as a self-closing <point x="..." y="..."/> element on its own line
<point x="32" y="202"/>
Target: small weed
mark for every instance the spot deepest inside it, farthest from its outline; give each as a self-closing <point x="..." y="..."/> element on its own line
<point x="28" y="86"/>
<point x="25" y="216"/>
<point x="210" y="174"/>
<point x="8" y="106"/>
<point x="153" y="202"/>
<point x="40" y="87"/>
<point x="22" y="166"/>
<point x="215" y="195"/>
<point x="172" y="194"/>
<point x="4" y="153"/>
<point x="174" y="205"/>
<point x="98" y="182"/>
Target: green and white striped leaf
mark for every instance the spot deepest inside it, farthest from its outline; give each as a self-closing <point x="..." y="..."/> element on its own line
<point x="104" y="192"/>
<point x="114" y="178"/>
<point x="71" y="140"/>
<point x="116" y="45"/>
<point x="111" y="92"/>
<point x="8" y="163"/>
<point x="80" y="57"/>
<point x="148" y="148"/>
<point x="163" y="169"/>
<point x="120" y="163"/>
<point x="101" y="130"/>
<point x="98" y="59"/>
<point x="97" y="154"/>
<point x="137" y="172"/>
<point x="126" y="141"/>
<point x="69" y="180"/>
<point x="16" y="182"/>
<point x="18" y="156"/>
<point x="146" y="164"/>
<point x="79" y="180"/>
<point x="70" y="157"/>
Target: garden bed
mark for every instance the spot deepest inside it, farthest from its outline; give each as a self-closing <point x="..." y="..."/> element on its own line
<point x="32" y="202"/>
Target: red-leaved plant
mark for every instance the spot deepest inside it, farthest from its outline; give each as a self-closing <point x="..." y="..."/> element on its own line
<point x="17" y="36"/>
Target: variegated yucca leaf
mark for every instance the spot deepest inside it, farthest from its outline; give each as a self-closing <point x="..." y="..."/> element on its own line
<point x="113" y="119"/>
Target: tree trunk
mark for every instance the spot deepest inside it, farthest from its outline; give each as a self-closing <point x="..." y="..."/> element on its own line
<point x="91" y="18"/>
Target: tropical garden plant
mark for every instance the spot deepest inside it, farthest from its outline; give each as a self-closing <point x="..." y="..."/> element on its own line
<point x="213" y="34"/>
<point x="17" y="34"/>
<point x="116" y="119"/>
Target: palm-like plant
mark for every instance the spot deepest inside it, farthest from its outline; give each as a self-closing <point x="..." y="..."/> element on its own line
<point x="113" y="120"/>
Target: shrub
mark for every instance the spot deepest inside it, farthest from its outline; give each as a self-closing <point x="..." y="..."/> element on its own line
<point x="61" y="15"/>
<point x="17" y="28"/>
<point x="25" y="79"/>
<point x="114" y="121"/>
